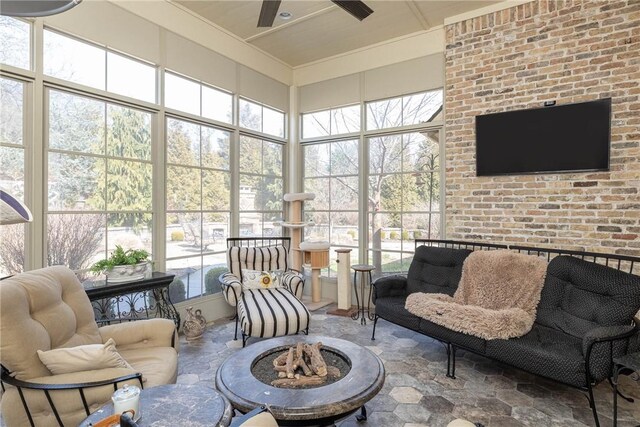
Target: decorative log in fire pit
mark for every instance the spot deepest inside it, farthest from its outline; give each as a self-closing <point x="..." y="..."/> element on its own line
<point x="301" y="365"/>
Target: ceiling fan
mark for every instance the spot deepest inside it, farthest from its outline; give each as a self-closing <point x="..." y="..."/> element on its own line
<point x="35" y="8"/>
<point x="269" y="10"/>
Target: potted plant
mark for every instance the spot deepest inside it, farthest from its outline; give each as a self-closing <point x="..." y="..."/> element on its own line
<point x="123" y="266"/>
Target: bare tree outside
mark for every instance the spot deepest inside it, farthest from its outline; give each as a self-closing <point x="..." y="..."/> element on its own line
<point x="403" y="173"/>
<point x="12" y="172"/>
<point x="331" y="172"/>
<point x="14" y="42"/>
<point x="72" y="239"/>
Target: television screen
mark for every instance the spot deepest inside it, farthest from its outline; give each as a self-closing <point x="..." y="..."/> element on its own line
<point x="565" y="138"/>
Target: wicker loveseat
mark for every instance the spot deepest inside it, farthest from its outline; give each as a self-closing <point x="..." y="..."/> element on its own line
<point x="48" y="309"/>
<point x="585" y="317"/>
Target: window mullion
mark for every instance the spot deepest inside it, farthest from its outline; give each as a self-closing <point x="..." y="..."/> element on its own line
<point x="37" y="107"/>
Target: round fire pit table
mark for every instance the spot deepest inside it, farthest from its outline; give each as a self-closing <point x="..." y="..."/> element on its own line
<point x="322" y="405"/>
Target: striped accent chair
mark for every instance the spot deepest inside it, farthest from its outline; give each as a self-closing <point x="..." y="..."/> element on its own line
<point x="264" y="313"/>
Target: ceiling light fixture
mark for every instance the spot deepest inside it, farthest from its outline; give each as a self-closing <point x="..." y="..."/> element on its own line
<point x="285" y="15"/>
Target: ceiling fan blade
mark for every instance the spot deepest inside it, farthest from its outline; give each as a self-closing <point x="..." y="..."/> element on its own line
<point x="268" y="12"/>
<point x="356" y="8"/>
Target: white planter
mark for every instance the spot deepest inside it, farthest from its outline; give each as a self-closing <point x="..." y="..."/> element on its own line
<point x="127" y="273"/>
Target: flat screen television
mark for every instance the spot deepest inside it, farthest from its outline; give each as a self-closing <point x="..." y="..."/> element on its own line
<point x="564" y="138"/>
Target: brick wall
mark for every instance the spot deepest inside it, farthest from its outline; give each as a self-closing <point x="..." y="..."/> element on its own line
<point x="569" y="51"/>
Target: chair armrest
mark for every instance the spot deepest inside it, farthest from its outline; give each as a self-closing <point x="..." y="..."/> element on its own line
<point x="606" y="334"/>
<point x="142" y="334"/>
<point x="389" y="286"/>
<point x="293" y="281"/>
<point x="634" y="340"/>
<point x="61" y="395"/>
<point x="8" y="379"/>
<point x="231" y="287"/>
<point x="260" y="416"/>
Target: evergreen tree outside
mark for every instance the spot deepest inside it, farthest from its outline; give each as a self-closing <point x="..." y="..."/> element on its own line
<point x="198" y="198"/>
<point x="127" y="184"/>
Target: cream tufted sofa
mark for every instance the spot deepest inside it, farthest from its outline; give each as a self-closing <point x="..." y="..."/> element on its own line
<point x="47" y="309"/>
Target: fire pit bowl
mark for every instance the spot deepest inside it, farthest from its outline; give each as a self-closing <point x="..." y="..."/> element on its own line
<point x="262" y="367"/>
<point x="321" y="405"/>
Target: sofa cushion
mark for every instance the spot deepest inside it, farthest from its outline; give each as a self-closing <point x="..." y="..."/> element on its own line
<point x="256" y="279"/>
<point x="158" y="366"/>
<point x="447" y="335"/>
<point x="392" y="309"/>
<point x="268" y="258"/>
<point x="271" y="313"/>
<point x="51" y="308"/>
<point x="436" y="270"/>
<point x="579" y="296"/>
<point x="83" y="358"/>
<point x="543" y="351"/>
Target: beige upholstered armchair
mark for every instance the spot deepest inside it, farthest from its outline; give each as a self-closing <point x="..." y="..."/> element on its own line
<point x="48" y="309"/>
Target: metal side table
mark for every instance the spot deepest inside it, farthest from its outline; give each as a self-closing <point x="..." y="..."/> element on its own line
<point x="627" y="363"/>
<point x="362" y="303"/>
<point x="138" y="299"/>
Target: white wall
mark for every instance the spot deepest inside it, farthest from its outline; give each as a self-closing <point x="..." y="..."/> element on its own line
<point x="412" y="46"/>
<point x="401" y="78"/>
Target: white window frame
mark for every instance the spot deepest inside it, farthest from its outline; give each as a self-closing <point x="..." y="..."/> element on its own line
<point x="36" y="142"/>
<point x="363" y="136"/>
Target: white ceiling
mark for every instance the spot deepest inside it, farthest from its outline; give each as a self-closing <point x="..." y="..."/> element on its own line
<point x="320" y="29"/>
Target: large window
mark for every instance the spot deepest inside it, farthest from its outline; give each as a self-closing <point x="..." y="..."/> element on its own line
<point x="80" y="62"/>
<point x="331" y="173"/>
<point x="99" y="179"/>
<point x="198" y="206"/>
<point x="93" y="166"/>
<point x="15" y="42"/>
<point x="192" y="97"/>
<point x="403" y="196"/>
<point x="12" y="174"/>
<point x="261" y="187"/>
<point x="407" y="110"/>
<point x="401" y="170"/>
<point x="261" y="118"/>
<point x="336" y="121"/>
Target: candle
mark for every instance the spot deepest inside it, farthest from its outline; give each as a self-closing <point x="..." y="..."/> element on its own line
<point x="127" y="398"/>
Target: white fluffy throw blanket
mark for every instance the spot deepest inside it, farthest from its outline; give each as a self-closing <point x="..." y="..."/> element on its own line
<point x="497" y="296"/>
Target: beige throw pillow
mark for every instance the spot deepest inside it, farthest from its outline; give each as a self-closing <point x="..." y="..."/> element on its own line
<point x="83" y="358"/>
<point x="254" y="279"/>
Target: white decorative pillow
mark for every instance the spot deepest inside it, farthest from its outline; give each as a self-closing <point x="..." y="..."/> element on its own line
<point x="255" y="279"/>
<point x="83" y="358"/>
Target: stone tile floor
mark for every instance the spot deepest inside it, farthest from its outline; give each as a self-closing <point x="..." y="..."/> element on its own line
<point x="417" y="392"/>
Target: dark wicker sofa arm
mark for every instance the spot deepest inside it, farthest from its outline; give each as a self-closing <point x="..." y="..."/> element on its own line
<point x="389" y="286"/>
<point x="605" y="334"/>
<point x="6" y="377"/>
<point x="601" y="345"/>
